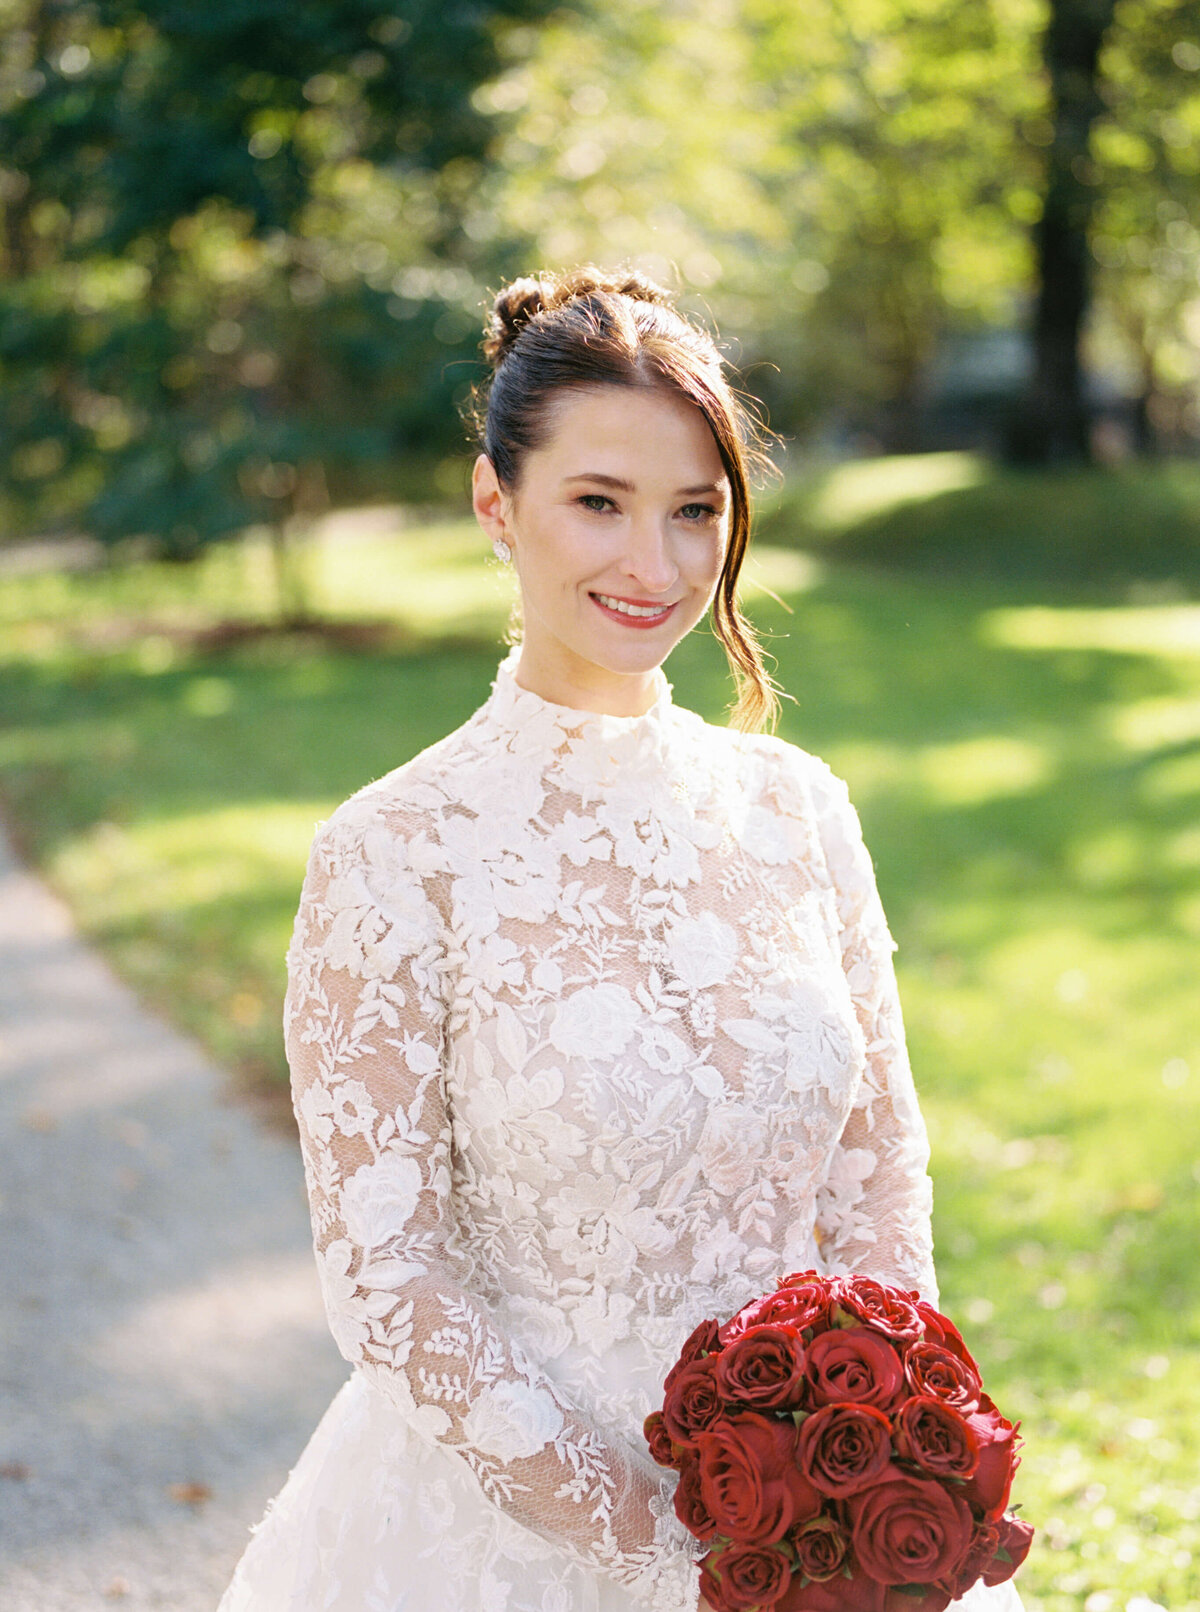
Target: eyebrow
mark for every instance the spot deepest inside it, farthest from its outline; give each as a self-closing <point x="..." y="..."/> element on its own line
<point x="628" y="487"/>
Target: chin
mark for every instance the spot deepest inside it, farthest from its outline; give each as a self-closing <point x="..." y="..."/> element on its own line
<point x="631" y="659"/>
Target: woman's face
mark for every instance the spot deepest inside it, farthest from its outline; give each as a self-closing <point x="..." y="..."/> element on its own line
<point x="618" y="529"/>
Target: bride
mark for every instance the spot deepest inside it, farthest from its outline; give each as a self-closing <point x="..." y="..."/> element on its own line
<point x="591" y="1019"/>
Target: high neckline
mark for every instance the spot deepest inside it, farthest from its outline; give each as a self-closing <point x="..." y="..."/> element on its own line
<point x="516" y="708"/>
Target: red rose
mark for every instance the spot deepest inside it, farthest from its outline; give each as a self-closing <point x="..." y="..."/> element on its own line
<point x="931" y="1368"/>
<point x="936" y="1437"/>
<point x="940" y="1329"/>
<point x="852" y="1365"/>
<point x="661" y="1448"/>
<point x="908" y="1530"/>
<point x="701" y="1341"/>
<point x="885" y="1308"/>
<point x="764" y="1368"/>
<point x="692" y="1402"/>
<point x="749" y="1480"/>
<point x="741" y="1577"/>
<point x="858" y="1593"/>
<point x="820" y="1545"/>
<point x="843" y="1447"/>
<point x="1014" y="1542"/>
<point x="797" y="1307"/>
<point x="985" y="1541"/>
<point x="817" y="1291"/>
<point x="711" y="1587"/>
<point x="689" y="1502"/>
<point x="991" y="1483"/>
<point x="928" y="1598"/>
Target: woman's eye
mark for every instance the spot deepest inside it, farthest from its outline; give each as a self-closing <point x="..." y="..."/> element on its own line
<point x="597" y="502"/>
<point x="699" y="512"/>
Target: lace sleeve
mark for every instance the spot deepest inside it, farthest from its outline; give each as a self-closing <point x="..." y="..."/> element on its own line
<point x="364" y="1024"/>
<point x="874" y="1208"/>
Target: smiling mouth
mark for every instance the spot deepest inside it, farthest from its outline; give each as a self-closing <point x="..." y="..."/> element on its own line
<point x="641" y="614"/>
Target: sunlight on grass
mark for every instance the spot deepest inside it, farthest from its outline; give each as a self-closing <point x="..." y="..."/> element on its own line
<point x="1143" y="725"/>
<point x="973" y="770"/>
<point x="1169" y="629"/>
<point x="190" y="860"/>
<point x="854" y="491"/>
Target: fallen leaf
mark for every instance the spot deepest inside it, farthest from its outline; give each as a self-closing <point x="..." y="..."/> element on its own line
<point x="16" y="1470"/>
<point x="117" y="1588"/>
<point x="39" y="1119"/>
<point x="189" y="1494"/>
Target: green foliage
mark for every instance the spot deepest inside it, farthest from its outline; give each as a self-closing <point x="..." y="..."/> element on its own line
<point x="233" y="263"/>
<point x="1146" y="151"/>
<point x="244" y="246"/>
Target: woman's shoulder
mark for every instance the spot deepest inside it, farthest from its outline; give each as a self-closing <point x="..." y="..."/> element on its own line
<point x="775" y="759"/>
<point x="406" y="801"/>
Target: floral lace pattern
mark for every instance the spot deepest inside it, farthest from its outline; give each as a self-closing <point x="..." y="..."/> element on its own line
<point x="593" y="1030"/>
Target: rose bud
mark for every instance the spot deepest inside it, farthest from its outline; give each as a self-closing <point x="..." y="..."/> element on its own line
<point x="749" y="1479"/>
<point x="689" y="1502"/>
<point x="692" y="1402"/>
<point x="746" y="1576"/>
<point x="851" y="1365"/>
<point x="1015" y="1539"/>
<point x="936" y="1438"/>
<point x="843" y="1447"/>
<point x="909" y="1530"/>
<point x="933" y="1369"/>
<point x="659" y="1440"/>
<point x="763" y="1369"/>
<point x="884" y="1308"/>
<point x="820" y="1545"/>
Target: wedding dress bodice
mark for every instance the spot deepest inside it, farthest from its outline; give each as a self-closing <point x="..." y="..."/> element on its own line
<point x="594" y="1033"/>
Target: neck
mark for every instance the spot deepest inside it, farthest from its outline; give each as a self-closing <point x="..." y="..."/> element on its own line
<point x="586" y="687"/>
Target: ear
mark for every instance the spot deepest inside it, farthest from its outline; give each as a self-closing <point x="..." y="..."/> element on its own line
<point x="490" y="501"/>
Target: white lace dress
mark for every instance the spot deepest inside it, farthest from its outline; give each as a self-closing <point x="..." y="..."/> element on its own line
<point x="593" y="1032"/>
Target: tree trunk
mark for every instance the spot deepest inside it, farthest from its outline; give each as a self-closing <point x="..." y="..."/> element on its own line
<point x="1054" y="427"/>
<point x="289" y="537"/>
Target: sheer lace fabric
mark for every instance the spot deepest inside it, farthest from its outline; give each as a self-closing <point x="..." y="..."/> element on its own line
<point x="593" y="1031"/>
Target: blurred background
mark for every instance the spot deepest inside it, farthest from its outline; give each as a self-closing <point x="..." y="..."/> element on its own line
<point x="954" y="245"/>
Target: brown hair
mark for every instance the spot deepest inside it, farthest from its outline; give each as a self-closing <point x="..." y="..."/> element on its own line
<point x="586" y="329"/>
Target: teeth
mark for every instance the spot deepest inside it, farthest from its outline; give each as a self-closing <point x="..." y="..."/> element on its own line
<point x="632" y="609"/>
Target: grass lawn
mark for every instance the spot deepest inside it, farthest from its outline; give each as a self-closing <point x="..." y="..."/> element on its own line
<point x="1024" y="748"/>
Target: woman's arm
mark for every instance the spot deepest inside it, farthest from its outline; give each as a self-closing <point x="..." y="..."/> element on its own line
<point x="874" y="1208"/>
<point x="365" y="1026"/>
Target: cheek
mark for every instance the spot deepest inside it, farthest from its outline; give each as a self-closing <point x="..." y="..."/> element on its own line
<point x="710" y="558"/>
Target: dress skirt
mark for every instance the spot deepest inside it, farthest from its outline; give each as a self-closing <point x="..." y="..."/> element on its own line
<point x="375" y="1518"/>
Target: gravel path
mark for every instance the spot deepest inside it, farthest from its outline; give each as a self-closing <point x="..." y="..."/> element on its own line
<point x="163" y="1355"/>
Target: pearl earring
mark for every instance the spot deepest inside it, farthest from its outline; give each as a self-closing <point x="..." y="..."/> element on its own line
<point x="501" y="550"/>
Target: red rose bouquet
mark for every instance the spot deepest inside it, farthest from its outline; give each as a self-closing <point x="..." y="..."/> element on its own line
<point x="837" y="1453"/>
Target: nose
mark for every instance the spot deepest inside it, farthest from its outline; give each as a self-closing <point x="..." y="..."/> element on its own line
<point x="648" y="559"/>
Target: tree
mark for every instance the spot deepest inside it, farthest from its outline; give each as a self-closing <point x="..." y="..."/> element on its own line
<point x="1145" y="237"/>
<point x="1053" y="424"/>
<point x="232" y="248"/>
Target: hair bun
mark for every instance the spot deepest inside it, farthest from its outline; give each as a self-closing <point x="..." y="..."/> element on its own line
<point x="519" y="303"/>
<point x="512" y="310"/>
